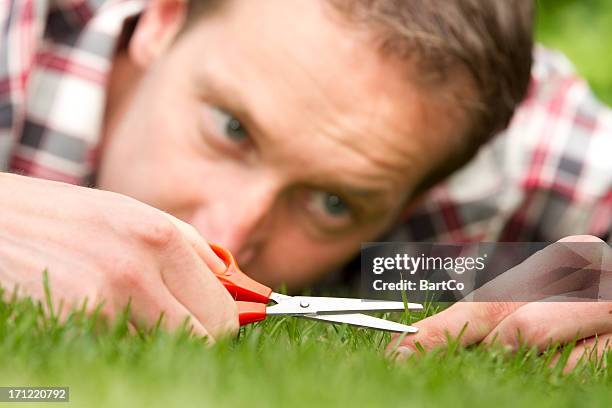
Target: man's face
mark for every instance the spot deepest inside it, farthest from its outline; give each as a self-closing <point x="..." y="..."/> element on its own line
<point x="279" y="131"/>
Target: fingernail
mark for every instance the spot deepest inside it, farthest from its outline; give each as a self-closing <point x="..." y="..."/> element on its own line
<point x="402" y="353"/>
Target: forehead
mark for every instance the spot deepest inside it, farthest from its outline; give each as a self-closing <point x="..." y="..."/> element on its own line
<point x="305" y="74"/>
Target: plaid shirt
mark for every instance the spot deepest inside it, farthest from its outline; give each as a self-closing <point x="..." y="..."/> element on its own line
<point x="547" y="176"/>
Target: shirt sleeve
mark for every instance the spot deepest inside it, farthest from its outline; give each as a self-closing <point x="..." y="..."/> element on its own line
<point x="22" y="23"/>
<point x="549" y="175"/>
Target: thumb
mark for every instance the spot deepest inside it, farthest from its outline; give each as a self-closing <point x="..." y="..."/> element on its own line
<point x="468" y="323"/>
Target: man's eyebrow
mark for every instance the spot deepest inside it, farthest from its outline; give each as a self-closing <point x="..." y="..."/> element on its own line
<point x="372" y="199"/>
<point x="234" y="104"/>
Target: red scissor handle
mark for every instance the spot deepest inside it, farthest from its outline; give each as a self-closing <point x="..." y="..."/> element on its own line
<point x="250" y="312"/>
<point x="252" y="297"/>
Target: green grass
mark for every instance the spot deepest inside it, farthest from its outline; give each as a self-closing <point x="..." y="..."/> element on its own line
<point x="279" y="362"/>
<point x="582" y="29"/>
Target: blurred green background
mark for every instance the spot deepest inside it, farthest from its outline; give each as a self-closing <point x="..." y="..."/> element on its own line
<point x="582" y="29"/>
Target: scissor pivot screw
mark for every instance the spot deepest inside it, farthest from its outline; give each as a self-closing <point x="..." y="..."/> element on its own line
<point x="304" y="303"/>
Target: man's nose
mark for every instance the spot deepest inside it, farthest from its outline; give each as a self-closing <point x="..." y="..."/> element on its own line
<point x="239" y="220"/>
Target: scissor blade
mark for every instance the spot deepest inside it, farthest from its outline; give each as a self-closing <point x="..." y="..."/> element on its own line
<point x="303" y="305"/>
<point x="361" y="320"/>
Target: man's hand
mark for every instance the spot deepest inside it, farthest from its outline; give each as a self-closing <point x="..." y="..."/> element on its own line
<point x="112" y="249"/>
<point x="537" y="324"/>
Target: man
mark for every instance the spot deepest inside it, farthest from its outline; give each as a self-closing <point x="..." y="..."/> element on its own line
<point x="297" y="128"/>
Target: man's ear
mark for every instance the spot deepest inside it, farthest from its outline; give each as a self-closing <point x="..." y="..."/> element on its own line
<point x="157" y="27"/>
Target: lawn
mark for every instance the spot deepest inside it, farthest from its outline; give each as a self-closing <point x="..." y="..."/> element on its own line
<point x="279" y="362"/>
<point x="582" y="29"/>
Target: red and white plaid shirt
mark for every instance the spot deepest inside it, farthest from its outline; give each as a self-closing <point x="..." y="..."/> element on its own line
<point x="548" y="176"/>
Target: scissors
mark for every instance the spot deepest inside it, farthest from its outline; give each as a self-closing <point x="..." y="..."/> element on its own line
<point x="252" y="299"/>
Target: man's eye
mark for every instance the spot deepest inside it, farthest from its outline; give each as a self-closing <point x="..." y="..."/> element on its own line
<point x="329" y="209"/>
<point x="334" y="205"/>
<point x="229" y="126"/>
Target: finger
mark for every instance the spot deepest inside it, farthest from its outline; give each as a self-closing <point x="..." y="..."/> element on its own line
<point x="554" y="270"/>
<point x="592" y="350"/>
<point x="582" y="238"/>
<point x="194" y="285"/>
<point x="543" y="323"/>
<point x="199" y="244"/>
<point x="147" y="309"/>
<point x="472" y="320"/>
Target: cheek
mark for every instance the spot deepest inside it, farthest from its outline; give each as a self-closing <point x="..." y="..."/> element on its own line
<point x="152" y="153"/>
<point x="291" y="258"/>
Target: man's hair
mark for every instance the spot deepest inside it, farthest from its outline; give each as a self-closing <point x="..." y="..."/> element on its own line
<point x="490" y="40"/>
